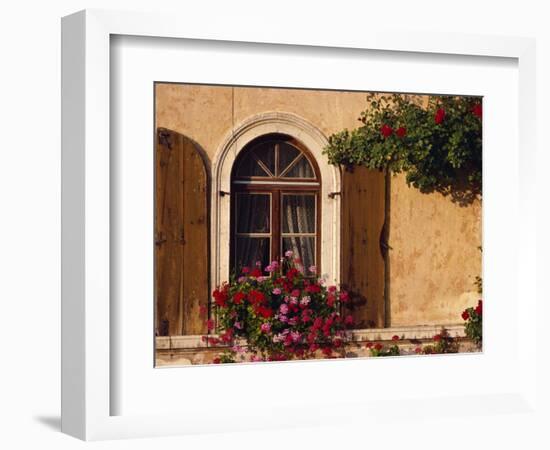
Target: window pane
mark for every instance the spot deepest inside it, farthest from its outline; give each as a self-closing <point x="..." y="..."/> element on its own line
<point x="249" y="167"/>
<point x="298" y="214"/>
<point x="253" y="213"/>
<point x="266" y="154"/>
<point x="249" y="250"/>
<point x="302" y="169"/>
<point x="303" y="248"/>
<point x="287" y="154"/>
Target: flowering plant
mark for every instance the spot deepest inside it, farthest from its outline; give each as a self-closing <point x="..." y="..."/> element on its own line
<point x="380" y="350"/>
<point x="473" y="326"/>
<point x="280" y="313"/>
<point x="437" y="145"/>
<point x="442" y="343"/>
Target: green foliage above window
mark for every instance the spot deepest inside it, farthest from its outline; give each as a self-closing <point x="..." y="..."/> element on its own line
<point x="436" y="143"/>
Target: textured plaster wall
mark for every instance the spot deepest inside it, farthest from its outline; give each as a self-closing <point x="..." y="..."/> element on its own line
<point x="434" y="256"/>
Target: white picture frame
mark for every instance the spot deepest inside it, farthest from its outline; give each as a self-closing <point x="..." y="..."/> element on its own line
<point x="87" y="356"/>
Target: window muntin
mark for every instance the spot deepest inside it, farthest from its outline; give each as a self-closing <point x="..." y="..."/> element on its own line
<point x="275" y="159"/>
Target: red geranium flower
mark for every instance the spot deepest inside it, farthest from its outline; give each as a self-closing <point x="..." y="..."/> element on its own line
<point x="395" y="337"/>
<point x="479" y="308"/>
<point x="256" y="297"/>
<point x="317" y="323"/>
<point x="266" y="313"/>
<point x="401" y="132"/>
<point x="227" y="336"/>
<point x="439" y="116"/>
<point x="256" y="273"/>
<point x="418" y="350"/>
<point x="465" y="315"/>
<point x="210" y="324"/>
<point x="216" y="360"/>
<point x="238" y="298"/>
<point x="476" y="110"/>
<point x="378" y="346"/>
<point x="369" y="344"/>
<point x="213" y="341"/>
<point x="437" y="337"/>
<point x="348" y="320"/>
<point x="344" y="296"/>
<point x="313" y="289"/>
<point x="292" y="272"/>
<point x="386" y="130"/>
<point x="220" y="297"/>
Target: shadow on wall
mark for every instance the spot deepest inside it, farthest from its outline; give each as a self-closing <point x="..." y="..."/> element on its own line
<point x="460" y="191"/>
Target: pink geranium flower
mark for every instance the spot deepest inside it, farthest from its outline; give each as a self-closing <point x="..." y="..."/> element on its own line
<point x="295" y="335"/>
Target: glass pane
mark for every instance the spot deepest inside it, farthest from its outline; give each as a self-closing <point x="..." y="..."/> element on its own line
<point x="298" y="214"/>
<point x="249" y="167"/>
<point x="287" y="154"/>
<point x="303" y="248"/>
<point x="253" y="213"/>
<point x="302" y="169"/>
<point x="266" y="154"/>
<point x="249" y="250"/>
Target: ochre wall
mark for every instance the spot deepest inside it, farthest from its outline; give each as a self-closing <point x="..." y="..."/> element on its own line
<point x="434" y="257"/>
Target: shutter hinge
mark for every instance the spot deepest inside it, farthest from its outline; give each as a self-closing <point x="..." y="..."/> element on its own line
<point x="160" y="238"/>
<point x="334" y="194"/>
<point x="164" y="139"/>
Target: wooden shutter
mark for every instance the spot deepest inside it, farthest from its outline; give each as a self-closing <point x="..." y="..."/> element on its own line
<point x="181" y="236"/>
<point x="363" y="262"/>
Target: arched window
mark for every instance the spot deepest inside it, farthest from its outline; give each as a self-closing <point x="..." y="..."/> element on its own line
<point x="275" y="206"/>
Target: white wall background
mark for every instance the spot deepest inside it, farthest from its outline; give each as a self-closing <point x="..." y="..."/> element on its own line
<point x="30" y="193"/>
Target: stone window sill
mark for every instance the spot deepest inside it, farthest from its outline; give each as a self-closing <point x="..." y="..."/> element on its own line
<point x="419" y="332"/>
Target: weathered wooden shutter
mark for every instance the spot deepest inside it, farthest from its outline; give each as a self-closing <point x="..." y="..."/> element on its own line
<point x="181" y="236"/>
<point x="363" y="262"/>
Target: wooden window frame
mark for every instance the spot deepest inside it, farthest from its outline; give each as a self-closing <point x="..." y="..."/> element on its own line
<point x="277" y="187"/>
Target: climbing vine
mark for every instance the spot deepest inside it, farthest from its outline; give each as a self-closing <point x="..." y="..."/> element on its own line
<point x="437" y="143"/>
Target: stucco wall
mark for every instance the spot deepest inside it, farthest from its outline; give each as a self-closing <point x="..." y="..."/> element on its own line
<point x="434" y="256"/>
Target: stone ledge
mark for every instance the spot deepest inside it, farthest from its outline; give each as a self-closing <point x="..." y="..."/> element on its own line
<point x="418" y="332"/>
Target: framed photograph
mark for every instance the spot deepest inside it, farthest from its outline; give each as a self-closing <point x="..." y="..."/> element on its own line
<point x="315" y="241"/>
<point x="246" y="216"/>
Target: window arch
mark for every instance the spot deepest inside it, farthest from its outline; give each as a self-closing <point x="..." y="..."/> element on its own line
<point x="275" y="206"/>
